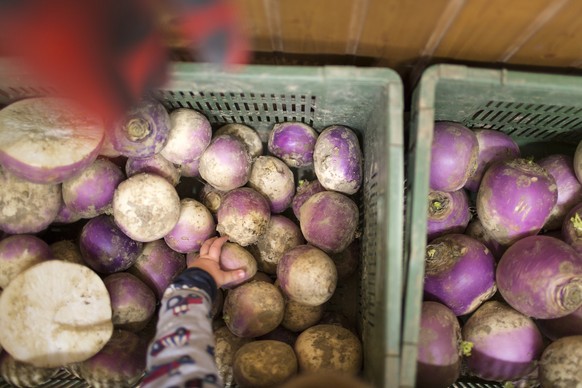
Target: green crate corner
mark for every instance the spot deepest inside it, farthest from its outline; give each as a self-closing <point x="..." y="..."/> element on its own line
<point x="370" y="101"/>
<point x="541" y="112"/>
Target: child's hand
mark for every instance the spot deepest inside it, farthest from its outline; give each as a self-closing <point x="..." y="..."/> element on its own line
<point x="209" y="260"/>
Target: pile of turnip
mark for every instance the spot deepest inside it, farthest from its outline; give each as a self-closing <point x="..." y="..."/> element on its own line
<point x="502" y="296"/>
<point x="97" y="220"/>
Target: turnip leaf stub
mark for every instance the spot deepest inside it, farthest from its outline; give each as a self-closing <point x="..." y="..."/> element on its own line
<point x="48" y="140"/>
<point x="55" y="313"/>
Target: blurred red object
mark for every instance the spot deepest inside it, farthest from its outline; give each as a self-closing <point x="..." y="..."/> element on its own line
<point x="107" y="54"/>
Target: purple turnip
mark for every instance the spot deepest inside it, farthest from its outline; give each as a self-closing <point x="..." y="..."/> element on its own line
<point x="27" y="207"/>
<point x="155" y="164"/>
<point x="133" y="303"/>
<point x="48" y="140"/>
<point x="19" y="252"/>
<point x="572" y="228"/>
<point x="448" y="212"/>
<point x="541" y="277"/>
<point x="565" y="326"/>
<point x="146" y="207"/>
<point x="195" y="225"/>
<point x="439" y="354"/>
<point x="226" y="163"/>
<point x="307" y="275"/>
<point x="143" y="132"/>
<point x="105" y="248"/>
<point x="243" y="216"/>
<point x="158" y="265"/>
<point x="493" y="146"/>
<point x="476" y="230"/>
<point x="515" y="199"/>
<point x="305" y="190"/>
<point x="561" y="168"/>
<point x="454" y="154"/>
<point x="281" y="235"/>
<point x="247" y="135"/>
<point x="504" y="343"/>
<point x="337" y="160"/>
<point x="90" y="193"/>
<point x="329" y="220"/>
<point x="66" y="215"/>
<point x="190" y="134"/>
<point x="272" y="178"/>
<point x="559" y="366"/>
<point x="459" y="273"/>
<point x="293" y="143"/>
<point x="190" y="169"/>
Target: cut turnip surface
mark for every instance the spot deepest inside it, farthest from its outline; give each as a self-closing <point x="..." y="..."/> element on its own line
<point x="55" y="313"/>
<point x="48" y="140"/>
<point x="146" y="207"/>
<point x="27" y="207"/>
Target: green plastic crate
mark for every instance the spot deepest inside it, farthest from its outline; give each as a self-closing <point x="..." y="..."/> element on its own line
<point x="541" y="112"/>
<point x="369" y="100"/>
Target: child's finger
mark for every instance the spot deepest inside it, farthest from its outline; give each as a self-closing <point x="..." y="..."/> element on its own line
<point x="216" y="247"/>
<point x="205" y="248"/>
<point x="232" y="276"/>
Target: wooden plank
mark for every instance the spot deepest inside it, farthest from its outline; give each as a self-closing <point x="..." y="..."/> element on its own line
<point x="256" y="23"/>
<point x="558" y="43"/>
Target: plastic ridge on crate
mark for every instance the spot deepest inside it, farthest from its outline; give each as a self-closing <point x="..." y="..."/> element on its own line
<point x="368" y="100"/>
<point x="534" y="109"/>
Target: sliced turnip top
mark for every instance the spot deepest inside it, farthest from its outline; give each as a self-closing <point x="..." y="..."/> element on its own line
<point x="146" y="207"/>
<point x="47" y="140"/>
<point x="55" y="313"/>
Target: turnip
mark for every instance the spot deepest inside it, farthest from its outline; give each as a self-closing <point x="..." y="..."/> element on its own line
<point x="281" y="334"/>
<point x="133" y="303"/>
<point x="272" y="178"/>
<point x="337" y="160"/>
<point x="439" y="347"/>
<point x="329" y="220"/>
<point x="55" y="313"/>
<point x="190" y="134"/>
<point x="578" y="162"/>
<point x="307" y="275"/>
<point x="253" y="309"/>
<point x="293" y="143"/>
<point x="454" y="154"/>
<point x="107" y="148"/>
<point x="144" y="130"/>
<point x="80" y="193"/>
<point x="190" y="169"/>
<point x="515" y="199"/>
<point x="305" y="190"/>
<point x="66" y="215"/>
<point x="27" y="207"/>
<point x="493" y="146"/>
<point x="448" y="212"/>
<point x="67" y="250"/>
<point x="158" y="265"/>
<point x="248" y="136"/>
<point x="105" y="248"/>
<point x="156" y="165"/>
<point x="565" y="326"/>
<point x="459" y="273"/>
<point x="19" y="252"/>
<point x="243" y="216"/>
<point x="571" y="231"/>
<point x="264" y="363"/>
<point x="281" y="235"/>
<point x="323" y="348"/>
<point x="559" y="366"/>
<point x="146" y="207"/>
<point x="120" y="363"/>
<point x="561" y="168"/>
<point x="210" y="197"/>
<point x="504" y="343"/>
<point x="476" y="230"/>
<point x="48" y="140"/>
<point x="226" y="346"/>
<point x="347" y="261"/>
<point x="195" y="225"/>
<point x="541" y="277"/>
<point x="225" y="164"/>
<point x="21" y="374"/>
<point x="299" y="317"/>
